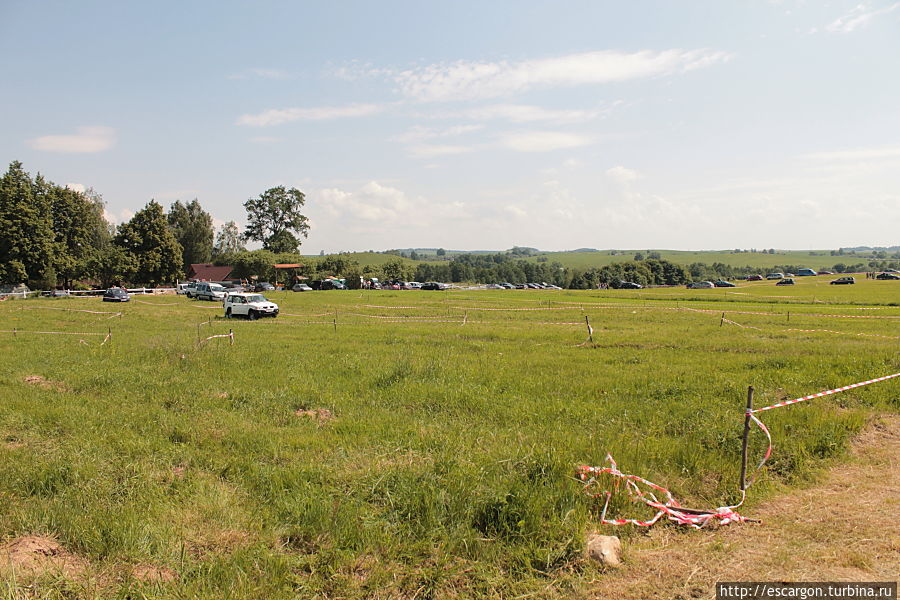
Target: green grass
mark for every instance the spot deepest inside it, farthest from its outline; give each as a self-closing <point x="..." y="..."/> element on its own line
<point x="446" y="470"/>
<point x="816" y="259"/>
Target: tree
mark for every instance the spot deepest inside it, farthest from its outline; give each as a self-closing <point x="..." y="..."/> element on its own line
<point x="229" y="240"/>
<point x="192" y="227"/>
<point x="80" y="231"/>
<point x="275" y="219"/>
<point x="440" y="252"/>
<point x="149" y="241"/>
<point x="27" y="246"/>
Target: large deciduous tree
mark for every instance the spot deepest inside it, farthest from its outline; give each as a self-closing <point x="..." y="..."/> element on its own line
<point x="275" y="219"/>
<point x="27" y="246"/>
<point x="148" y="239"/>
<point x="228" y="241"/>
<point x="192" y="227"/>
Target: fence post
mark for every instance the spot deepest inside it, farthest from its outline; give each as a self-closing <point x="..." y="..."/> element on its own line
<point x="590" y="329"/>
<point x="231" y="336"/>
<point x="746" y="438"/>
<point x="722" y="322"/>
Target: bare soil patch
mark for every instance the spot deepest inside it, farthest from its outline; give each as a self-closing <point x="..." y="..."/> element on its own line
<point x="38" y="555"/>
<point x="44" y="383"/>
<point x="844" y="528"/>
<point x="320" y="415"/>
<point x="151" y="574"/>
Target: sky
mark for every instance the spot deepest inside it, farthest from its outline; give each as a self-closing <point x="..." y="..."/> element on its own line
<point x="474" y="125"/>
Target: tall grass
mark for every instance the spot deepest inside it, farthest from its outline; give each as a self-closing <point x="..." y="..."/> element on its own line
<point x="446" y="466"/>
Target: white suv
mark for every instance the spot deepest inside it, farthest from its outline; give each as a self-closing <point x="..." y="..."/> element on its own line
<point x="252" y="306"/>
<point x="207" y="291"/>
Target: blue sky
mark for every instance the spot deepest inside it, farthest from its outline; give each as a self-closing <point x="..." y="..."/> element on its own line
<point x="473" y="125"/>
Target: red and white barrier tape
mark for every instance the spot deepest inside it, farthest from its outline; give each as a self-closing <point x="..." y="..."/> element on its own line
<point x="93" y="312"/>
<point x="765" y="430"/>
<point x="878" y="335"/>
<point x="229" y="335"/>
<point x="670" y="508"/>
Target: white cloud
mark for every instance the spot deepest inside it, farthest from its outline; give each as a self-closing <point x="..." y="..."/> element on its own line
<point x="265" y="139"/>
<point x="520" y="113"/>
<point x="860" y="16"/>
<point x="373" y="202"/>
<point x="622" y="175"/>
<point x="435" y="150"/>
<point x="419" y="133"/>
<point x="78" y="187"/>
<point x="275" y="116"/>
<point x="123" y="216"/>
<point x="276" y="74"/>
<point x="515" y="211"/>
<point x="466" y="80"/>
<point x="542" y="141"/>
<point x="87" y="140"/>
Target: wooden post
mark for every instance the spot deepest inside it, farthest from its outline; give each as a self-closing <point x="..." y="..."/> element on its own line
<point x="198" y="331"/>
<point x="231" y="336"/>
<point x="590" y="330"/>
<point x="334" y="322"/>
<point x="746" y="438"/>
<point x="788" y="316"/>
<point x="14" y="332"/>
<point x="722" y="322"/>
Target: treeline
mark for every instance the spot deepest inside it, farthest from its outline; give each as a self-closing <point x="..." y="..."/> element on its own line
<point x="51" y="235"/>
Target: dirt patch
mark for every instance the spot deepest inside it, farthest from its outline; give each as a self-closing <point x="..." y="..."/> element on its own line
<point x="320" y="415"/>
<point x="37" y="555"/>
<point x="45" y="383"/>
<point x="842" y="529"/>
<point x="152" y="574"/>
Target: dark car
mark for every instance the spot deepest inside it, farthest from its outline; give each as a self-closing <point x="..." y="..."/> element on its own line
<point x="755" y="278"/>
<point x="887" y="276"/>
<point x="843" y="281"/>
<point x="786" y="281"/>
<point x="723" y="283"/>
<point x="629" y="285"/>
<point x="116" y="295"/>
<point x="433" y="285"/>
<point x="263" y="286"/>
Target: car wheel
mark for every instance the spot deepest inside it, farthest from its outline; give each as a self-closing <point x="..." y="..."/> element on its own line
<point x="251" y="315"/>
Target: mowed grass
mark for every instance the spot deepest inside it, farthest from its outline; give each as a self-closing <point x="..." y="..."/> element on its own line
<point x="401" y="444"/>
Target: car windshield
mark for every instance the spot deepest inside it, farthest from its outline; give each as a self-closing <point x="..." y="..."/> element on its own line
<point x="216" y="287"/>
<point x="256" y="298"/>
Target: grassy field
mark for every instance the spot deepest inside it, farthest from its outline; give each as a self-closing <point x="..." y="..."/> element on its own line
<point x="404" y="444"/>
<point x="817" y="259"/>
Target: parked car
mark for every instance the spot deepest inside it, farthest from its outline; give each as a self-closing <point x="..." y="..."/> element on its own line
<point x="250" y="305"/>
<point x="887" y="276"/>
<point x="208" y="291"/>
<point x="55" y="293"/>
<point x="433" y="285"/>
<point x="843" y="281"/>
<point x="116" y="295"/>
<point x="775" y="276"/>
<point x="301" y="287"/>
<point x="700" y="285"/>
<point x="723" y="283"/>
<point x="755" y="278"/>
<point x="629" y="285"/>
<point x="263" y="286"/>
<point x="786" y="281"/>
<point x="806" y="272"/>
<point x="181" y="288"/>
<point x="824" y="273"/>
